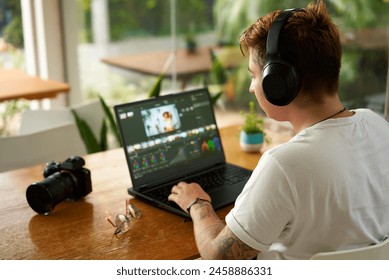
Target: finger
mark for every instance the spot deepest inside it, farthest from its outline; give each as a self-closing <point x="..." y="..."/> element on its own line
<point x="175" y="189"/>
<point x="172" y="197"/>
<point x="182" y="184"/>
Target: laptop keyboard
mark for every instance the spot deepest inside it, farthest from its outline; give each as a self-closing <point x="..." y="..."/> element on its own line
<point x="228" y="174"/>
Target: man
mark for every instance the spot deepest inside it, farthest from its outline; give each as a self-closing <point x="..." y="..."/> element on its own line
<point x="327" y="188"/>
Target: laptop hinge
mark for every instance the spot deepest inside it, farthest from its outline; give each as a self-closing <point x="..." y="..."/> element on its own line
<point x="183" y="178"/>
<point x="143" y="187"/>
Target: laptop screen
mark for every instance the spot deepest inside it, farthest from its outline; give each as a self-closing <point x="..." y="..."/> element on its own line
<point x="169" y="137"/>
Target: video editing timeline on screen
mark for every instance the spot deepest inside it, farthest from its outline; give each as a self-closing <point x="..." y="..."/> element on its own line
<point x="167" y="152"/>
<point x="172" y="134"/>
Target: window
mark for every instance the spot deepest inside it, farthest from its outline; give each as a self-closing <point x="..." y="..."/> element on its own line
<point x="11" y="35"/>
<point x="126" y="27"/>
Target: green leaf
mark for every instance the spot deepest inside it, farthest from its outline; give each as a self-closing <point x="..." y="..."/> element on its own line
<point x="156" y="89"/>
<point x="90" y="141"/>
<point x="104" y="136"/>
<point x="218" y="71"/>
<point x="252" y="123"/>
<point x="111" y="120"/>
<point x="215" y="97"/>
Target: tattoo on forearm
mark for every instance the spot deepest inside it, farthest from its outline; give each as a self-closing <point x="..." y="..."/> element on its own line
<point x="225" y="247"/>
<point x="232" y="248"/>
<point x="204" y="210"/>
<point x="216" y="240"/>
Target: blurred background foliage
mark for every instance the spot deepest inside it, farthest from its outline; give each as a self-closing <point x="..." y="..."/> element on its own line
<point x="11" y="22"/>
<point x="364" y="66"/>
<point x="232" y="17"/>
<point x="129" y="19"/>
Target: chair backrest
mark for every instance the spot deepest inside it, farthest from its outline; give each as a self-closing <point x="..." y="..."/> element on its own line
<point x="55" y="143"/>
<point x="35" y="120"/>
<point x="92" y="112"/>
<point x="378" y="251"/>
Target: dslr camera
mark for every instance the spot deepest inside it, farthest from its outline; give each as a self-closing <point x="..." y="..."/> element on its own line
<point x="68" y="180"/>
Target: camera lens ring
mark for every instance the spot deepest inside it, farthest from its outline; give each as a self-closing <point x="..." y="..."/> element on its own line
<point x="44" y="196"/>
<point x="40" y="198"/>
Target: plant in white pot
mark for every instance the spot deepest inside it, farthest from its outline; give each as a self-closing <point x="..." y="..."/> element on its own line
<point x="252" y="134"/>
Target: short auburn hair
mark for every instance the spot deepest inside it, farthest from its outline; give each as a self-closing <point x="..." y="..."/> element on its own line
<point x="309" y="40"/>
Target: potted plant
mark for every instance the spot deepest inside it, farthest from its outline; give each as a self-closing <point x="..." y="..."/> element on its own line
<point x="191" y="43"/>
<point x="252" y="134"/>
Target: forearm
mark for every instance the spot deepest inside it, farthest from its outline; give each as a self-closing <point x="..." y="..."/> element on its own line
<point x="207" y="227"/>
<point x="214" y="239"/>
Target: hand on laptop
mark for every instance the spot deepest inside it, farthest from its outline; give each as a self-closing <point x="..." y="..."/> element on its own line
<point x="185" y="194"/>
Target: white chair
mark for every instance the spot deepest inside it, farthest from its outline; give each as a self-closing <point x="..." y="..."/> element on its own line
<point x="378" y="251"/>
<point x="34" y="120"/>
<point x="92" y="112"/>
<point x="55" y="143"/>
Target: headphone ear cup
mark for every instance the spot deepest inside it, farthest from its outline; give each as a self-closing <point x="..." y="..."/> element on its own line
<point x="280" y="82"/>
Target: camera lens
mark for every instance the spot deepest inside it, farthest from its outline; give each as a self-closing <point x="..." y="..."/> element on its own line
<point x="44" y="196"/>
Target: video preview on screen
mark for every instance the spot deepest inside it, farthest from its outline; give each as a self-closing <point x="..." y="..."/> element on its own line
<point x="161" y="119"/>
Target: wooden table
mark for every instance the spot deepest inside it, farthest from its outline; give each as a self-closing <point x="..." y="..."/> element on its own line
<point x="16" y="84"/>
<point x="79" y="230"/>
<point x="186" y="64"/>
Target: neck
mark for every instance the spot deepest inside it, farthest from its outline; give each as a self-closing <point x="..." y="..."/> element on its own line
<point x="331" y="108"/>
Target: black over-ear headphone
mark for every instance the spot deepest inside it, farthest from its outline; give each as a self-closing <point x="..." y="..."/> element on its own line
<point x="280" y="79"/>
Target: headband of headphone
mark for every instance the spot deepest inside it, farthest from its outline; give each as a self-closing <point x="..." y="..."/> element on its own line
<point x="280" y="79"/>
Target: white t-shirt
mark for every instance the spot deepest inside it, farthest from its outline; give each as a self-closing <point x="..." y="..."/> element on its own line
<point x="326" y="189"/>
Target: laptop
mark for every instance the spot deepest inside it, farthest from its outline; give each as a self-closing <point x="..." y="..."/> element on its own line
<point x="175" y="138"/>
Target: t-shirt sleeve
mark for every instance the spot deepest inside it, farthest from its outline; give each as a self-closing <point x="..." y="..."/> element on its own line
<point x="265" y="207"/>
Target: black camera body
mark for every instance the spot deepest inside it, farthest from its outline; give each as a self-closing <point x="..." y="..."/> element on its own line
<point x="74" y="167"/>
<point x="68" y="180"/>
